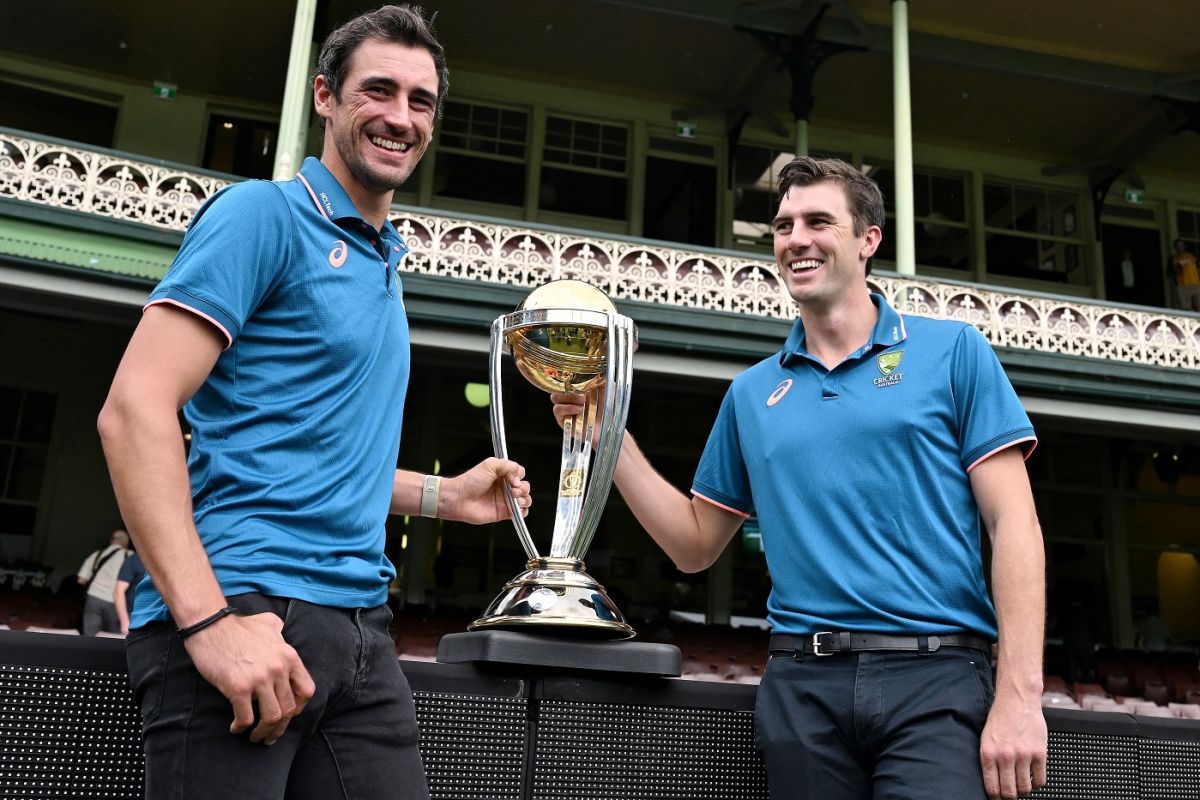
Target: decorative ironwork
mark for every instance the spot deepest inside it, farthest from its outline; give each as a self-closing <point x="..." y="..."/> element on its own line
<point x="84" y="180"/>
<point x="166" y="197"/>
<point x="498" y="253"/>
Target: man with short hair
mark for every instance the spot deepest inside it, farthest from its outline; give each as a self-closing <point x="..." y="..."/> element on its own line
<point x="280" y="328"/>
<point x="869" y="447"/>
<point x="98" y="573"/>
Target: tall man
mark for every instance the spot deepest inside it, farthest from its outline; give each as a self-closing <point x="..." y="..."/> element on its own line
<point x="869" y="447"/>
<point x="98" y="573"/>
<point x="281" y="326"/>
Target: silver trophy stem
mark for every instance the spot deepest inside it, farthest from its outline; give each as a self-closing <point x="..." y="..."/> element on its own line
<point x="576" y="455"/>
<point x="498" y="442"/>
<point x="618" y="380"/>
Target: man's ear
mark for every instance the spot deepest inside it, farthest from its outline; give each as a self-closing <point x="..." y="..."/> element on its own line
<point x="323" y="98"/>
<point x="871" y="241"/>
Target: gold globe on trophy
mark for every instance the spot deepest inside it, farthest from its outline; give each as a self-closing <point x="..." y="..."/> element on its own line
<point x="566" y="336"/>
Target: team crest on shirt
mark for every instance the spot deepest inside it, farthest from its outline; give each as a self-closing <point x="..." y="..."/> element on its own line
<point x="887" y="363"/>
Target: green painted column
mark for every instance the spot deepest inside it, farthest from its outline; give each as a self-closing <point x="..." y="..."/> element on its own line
<point x="293" y="118"/>
<point x="906" y="250"/>
<point x="801" y="137"/>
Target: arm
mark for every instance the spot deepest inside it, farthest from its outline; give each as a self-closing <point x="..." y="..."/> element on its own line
<point x="475" y="496"/>
<point x="119" y="601"/>
<point x="85" y="570"/>
<point x="691" y="531"/>
<point x="1013" y="746"/>
<point x="170" y="355"/>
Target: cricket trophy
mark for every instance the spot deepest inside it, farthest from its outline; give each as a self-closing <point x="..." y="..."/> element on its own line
<point x="566" y="336"/>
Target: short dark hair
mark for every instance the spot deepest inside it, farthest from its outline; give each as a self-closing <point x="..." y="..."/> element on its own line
<point x="400" y="24"/>
<point x="862" y="194"/>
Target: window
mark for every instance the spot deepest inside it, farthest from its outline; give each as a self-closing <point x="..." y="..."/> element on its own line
<point x="59" y="115"/>
<point x="26" y="419"/>
<point x="585" y="168"/>
<point x="1033" y="233"/>
<point x="941" y="233"/>
<point x="244" y="147"/>
<point x="482" y="153"/>
<point x="1189" y="228"/>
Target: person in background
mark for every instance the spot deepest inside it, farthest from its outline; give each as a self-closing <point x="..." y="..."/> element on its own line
<point x="1183" y="270"/>
<point x="132" y="571"/>
<point x="98" y="574"/>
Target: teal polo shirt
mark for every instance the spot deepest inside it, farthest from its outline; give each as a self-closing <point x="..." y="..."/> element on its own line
<point x="859" y="476"/>
<point x="295" y="432"/>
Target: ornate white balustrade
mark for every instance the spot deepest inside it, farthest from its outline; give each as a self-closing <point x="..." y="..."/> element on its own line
<point x="120" y="188"/>
<point x="743" y="284"/>
<point x="98" y="183"/>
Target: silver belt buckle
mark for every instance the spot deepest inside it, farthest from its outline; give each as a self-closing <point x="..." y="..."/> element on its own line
<point x="816" y="643"/>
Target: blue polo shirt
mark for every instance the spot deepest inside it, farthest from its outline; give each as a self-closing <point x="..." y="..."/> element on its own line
<point x="859" y="476"/>
<point x="296" y="430"/>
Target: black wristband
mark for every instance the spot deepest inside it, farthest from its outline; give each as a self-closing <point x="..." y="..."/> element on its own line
<point x="204" y="623"/>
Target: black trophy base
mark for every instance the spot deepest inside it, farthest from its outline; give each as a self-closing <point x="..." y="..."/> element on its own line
<point x="550" y="651"/>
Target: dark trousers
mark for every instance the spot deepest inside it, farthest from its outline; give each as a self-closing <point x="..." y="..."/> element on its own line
<point x="874" y="726"/>
<point x="99" y="615"/>
<point x="356" y="739"/>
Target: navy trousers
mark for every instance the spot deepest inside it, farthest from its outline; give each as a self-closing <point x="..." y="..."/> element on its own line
<point x="874" y="726"/>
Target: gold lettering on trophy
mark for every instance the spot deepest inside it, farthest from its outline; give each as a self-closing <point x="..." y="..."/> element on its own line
<point x="572" y="483"/>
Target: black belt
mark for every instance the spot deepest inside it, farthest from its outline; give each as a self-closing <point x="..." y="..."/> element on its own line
<point x="829" y="644"/>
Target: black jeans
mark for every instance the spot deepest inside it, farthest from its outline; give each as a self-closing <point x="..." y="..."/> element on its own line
<point x="356" y="738"/>
<point x="887" y="726"/>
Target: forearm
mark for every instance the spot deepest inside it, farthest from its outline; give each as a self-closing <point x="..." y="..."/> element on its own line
<point x="119" y="604"/>
<point x="1019" y="590"/>
<point x="406" y="492"/>
<point x="678" y="523"/>
<point x="146" y="462"/>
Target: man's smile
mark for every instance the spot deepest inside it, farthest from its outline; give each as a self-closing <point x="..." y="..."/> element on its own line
<point x="390" y="144"/>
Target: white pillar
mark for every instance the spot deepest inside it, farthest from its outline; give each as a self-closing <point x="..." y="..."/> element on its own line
<point x="906" y="250"/>
<point x="293" y="118"/>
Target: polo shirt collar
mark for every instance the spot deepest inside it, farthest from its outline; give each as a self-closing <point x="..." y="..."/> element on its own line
<point x="329" y="195"/>
<point x="334" y="203"/>
<point x="889" y="330"/>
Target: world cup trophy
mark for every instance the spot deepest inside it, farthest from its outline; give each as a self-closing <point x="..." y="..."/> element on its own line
<point x="566" y="336"/>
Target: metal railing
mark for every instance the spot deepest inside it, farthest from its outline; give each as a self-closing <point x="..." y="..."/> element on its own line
<point x="165" y="196"/>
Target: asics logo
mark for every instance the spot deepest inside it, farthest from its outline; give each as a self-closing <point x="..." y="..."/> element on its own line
<point x="337" y="256"/>
<point x="779" y="392"/>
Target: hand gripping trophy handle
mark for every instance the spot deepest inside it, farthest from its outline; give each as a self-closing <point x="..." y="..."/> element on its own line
<point x="566" y="336"/>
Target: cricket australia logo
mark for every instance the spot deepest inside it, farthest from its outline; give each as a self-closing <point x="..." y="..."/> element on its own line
<point x="887" y="363"/>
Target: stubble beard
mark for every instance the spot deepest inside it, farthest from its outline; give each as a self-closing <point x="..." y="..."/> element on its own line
<point x="357" y="161"/>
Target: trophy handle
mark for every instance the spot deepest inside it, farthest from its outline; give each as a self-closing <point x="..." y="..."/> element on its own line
<point x="618" y="380"/>
<point x="498" y="442"/>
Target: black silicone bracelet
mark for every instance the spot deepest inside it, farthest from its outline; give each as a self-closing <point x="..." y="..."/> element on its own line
<point x="204" y="623"/>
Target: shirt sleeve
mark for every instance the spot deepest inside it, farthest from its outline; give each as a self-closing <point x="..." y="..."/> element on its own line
<point x="989" y="414"/>
<point x="126" y="573"/>
<point x="721" y="478"/>
<point x="233" y="253"/>
<point x="85" y="569"/>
